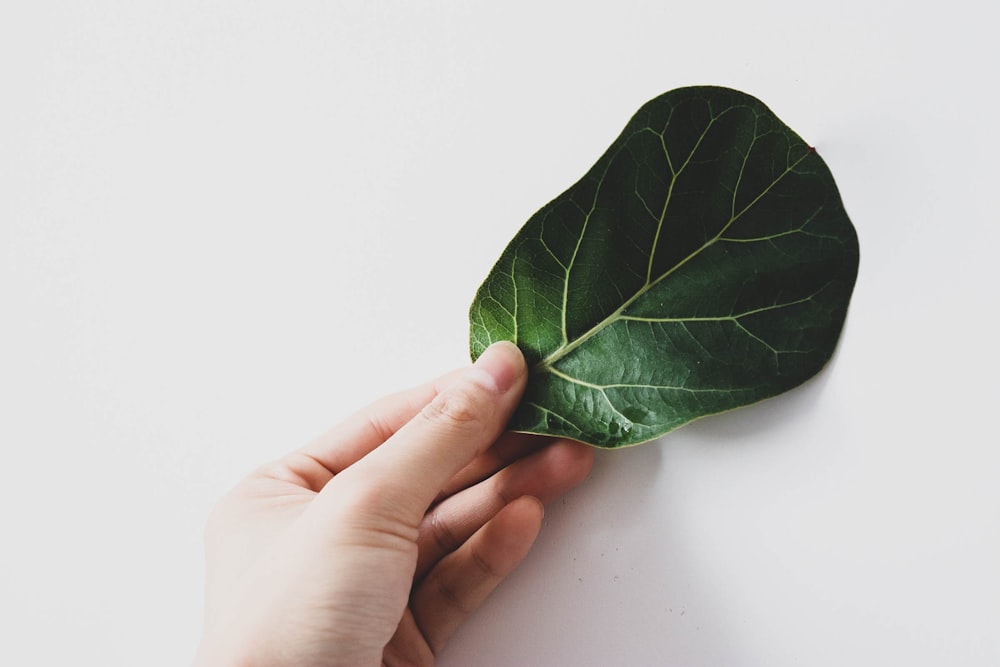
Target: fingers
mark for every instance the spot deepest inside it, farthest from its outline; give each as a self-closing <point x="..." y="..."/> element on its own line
<point x="345" y="444"/>
<point x="508" y="448"/>
<point x="407" y="472"/>
<point x="545" y="474"/>
<point x="463" y="580"/>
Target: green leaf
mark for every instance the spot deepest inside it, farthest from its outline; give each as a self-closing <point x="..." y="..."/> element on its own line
<point x="704" y="263"/>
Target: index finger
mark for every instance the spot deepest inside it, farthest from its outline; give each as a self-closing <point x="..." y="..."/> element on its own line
<point x="459" y="424"/>
<point x="347" y="442"/>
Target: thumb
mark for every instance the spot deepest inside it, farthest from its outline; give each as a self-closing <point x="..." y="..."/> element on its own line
<point x="460" y="423"/>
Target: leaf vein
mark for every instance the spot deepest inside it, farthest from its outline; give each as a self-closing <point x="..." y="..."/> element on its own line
<point x="640" y="385"/>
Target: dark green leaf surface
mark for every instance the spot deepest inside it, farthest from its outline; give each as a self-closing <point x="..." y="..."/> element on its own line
<point x="704" y="263"/>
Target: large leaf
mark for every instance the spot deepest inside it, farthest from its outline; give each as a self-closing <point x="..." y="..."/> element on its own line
<point x="704" y="263"/>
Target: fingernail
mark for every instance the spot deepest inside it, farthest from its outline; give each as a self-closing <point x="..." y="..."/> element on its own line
<point x="502" y="362"/>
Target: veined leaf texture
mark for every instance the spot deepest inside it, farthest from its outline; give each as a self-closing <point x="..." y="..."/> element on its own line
<point x="705" y="262"/>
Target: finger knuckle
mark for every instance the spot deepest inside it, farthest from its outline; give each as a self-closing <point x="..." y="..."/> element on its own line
<point x="454" y="409"/>
<point x="485" y="564"/>
<point x="442" y="533"/>
<point x="453" y="597"/>
<point x="378" y="425"/>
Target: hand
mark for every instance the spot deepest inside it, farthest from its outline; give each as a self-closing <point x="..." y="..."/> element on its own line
<point x="372" y="544"/>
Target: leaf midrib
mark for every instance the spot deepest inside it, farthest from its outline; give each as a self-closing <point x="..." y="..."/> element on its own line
<point x="547" y="362"/>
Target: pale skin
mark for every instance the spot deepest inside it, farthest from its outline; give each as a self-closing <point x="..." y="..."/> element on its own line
<point x="372" y="544"/>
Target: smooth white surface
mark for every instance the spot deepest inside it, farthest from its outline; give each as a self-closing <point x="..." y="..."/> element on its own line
<point x="226" y="225"/>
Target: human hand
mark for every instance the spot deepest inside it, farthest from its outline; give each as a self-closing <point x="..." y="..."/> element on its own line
<point x="372" y="544"/>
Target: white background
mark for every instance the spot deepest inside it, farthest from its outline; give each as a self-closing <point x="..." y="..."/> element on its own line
<point x="225" y="225"/>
